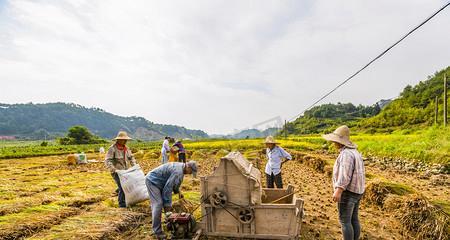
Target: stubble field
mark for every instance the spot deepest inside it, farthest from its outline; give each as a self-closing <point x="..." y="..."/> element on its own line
<point x="44" y="198"/>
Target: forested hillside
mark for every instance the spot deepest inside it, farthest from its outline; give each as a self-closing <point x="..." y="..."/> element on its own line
<point x="37" y="121"/>
<point x="413" y="109"/>
<point x="327" y="116"/>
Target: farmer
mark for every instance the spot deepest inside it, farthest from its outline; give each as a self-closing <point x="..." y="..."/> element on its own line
<point x="161" y="182"/>
<point x="119" y="157"/>
<point x="181" y="151"/>
<point x="276" y="157"/>
<point x="165" y="150"/>
<point x="348" y="181"/>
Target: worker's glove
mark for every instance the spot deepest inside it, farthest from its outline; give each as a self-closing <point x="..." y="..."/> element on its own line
<point x="167" y="214"/>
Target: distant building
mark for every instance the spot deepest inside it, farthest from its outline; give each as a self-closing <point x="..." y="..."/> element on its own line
<point x="7" y="138"/>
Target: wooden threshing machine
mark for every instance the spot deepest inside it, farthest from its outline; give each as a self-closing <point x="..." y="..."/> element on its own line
<point x="235" y="204"/>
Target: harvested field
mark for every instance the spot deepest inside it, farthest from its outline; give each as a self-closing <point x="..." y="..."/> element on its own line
<point x="44" y="198"/>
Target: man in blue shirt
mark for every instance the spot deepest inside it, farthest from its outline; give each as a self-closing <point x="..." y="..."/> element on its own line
<point x="161" y="182"/>
<point x="275" y="155"/>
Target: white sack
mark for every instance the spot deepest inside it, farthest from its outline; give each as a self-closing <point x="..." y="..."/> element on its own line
<point x="81" y="158"/>
<point x="133" y="185"/>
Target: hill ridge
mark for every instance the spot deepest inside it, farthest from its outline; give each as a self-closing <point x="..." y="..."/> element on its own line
<point x="49" y="120"/>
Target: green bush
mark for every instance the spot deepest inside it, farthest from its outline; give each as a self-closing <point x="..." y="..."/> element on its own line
<point x="80" y="135"/>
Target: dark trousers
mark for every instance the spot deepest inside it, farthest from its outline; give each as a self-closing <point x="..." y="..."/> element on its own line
<point x="348" y="215"/>
<point x="271" y="179"/>
<point x="182" y="157"/>
<point x="120" y="194"/>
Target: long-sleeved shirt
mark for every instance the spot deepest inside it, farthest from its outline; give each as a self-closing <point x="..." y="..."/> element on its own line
<point x="168" y="178"/>
<point x="119" y="159"/>
<point x="180" y="147"/>
<point x="348" y="171"/>
<point x="274" y="159"/>
<point x="165" y="147"/>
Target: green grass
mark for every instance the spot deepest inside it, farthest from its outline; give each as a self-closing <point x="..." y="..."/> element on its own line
<point x="429" y="145"/>
<point x="22" y="149"/>
<point x="445" y="205"/>
<point x="399" y="189"/>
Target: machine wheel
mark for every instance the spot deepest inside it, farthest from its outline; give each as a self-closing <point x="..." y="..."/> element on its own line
<point x="246" y="215"/>
<point x="218" y="199"/>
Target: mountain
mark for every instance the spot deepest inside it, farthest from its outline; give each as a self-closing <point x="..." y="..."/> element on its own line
<point x="253" y="133"/>
<point x="325" y="117"/>
<point x="413" y="108"/>
<point x="36" y="121"/>
<point x="248" y="133"/>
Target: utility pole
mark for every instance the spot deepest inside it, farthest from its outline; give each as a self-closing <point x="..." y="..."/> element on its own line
<point x="445" y="99"/>
<point x="285" y="129"/>
<point x="436" y="110"/>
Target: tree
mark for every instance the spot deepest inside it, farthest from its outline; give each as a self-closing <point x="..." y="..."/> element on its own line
<point x="80" y="135"/>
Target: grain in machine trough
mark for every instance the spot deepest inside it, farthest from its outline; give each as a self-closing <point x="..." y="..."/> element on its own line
<point x="235" y="204"/>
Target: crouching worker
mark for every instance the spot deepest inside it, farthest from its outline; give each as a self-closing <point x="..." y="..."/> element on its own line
<point x="348" y="182"/>
<point x="161" y="182"/>
<point x="119" y="157"/>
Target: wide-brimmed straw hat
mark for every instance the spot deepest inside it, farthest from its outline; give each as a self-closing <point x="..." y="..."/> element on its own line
<point x="122" y="135"/>
<point x="340" y="135"/>
<point x="271" y="140"/>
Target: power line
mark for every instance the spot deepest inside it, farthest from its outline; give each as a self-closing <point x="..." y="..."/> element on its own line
<point x="373" y="60"/>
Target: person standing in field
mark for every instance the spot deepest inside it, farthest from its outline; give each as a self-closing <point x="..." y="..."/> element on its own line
<point x="173" y="152"/>
<point x="276" y="157"/>
<point x="165" y="150"/>
<point x="119" y="157"/>
<point x="161" y="182"/>
<point x="348" y="182"/>
<point x="181" y="151"/>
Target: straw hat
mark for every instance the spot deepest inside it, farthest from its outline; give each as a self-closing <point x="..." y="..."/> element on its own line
<point x="270" y="139"/>
<point x="122" y="135"/>
<point x="340" y="135"/>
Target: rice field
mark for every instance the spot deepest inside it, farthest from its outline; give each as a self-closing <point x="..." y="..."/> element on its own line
<point x="45" y="198"/>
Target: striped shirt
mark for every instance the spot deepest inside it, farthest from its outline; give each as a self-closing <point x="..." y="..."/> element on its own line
<point x="348" y="171"/>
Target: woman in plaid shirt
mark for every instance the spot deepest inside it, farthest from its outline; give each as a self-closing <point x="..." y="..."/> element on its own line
<point x="348" y="182"/>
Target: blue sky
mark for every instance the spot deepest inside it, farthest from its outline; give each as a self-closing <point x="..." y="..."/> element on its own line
<point x="214" y="65"/>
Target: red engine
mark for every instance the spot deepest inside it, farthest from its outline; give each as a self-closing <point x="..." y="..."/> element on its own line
<point x="180" y="225"/>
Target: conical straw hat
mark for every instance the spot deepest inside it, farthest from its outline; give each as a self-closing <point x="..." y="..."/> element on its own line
<point x="270" y="139"/>
<point x="122" y="135"/>
<point x="340" y="135"/>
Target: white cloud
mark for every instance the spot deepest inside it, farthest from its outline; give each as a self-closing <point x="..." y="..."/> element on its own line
<point x="213" y="65"/>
